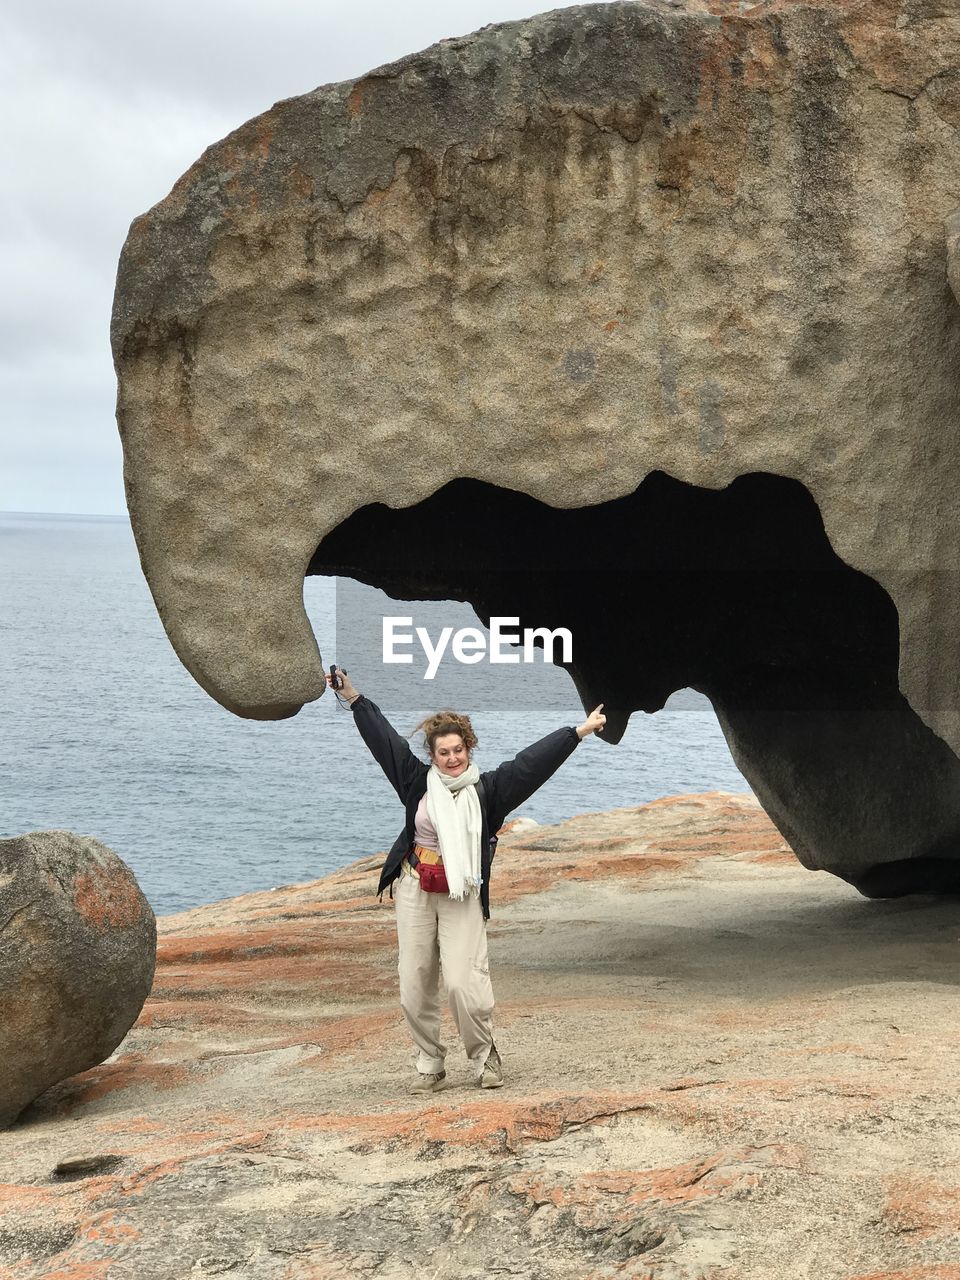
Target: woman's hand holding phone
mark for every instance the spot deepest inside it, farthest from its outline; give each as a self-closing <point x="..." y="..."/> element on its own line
<point x="341" y="684"/>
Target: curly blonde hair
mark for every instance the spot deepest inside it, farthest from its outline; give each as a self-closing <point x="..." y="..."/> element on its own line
<point x="442" y="722"/>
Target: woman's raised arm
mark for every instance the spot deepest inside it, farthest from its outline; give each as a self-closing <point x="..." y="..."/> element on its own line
<point x="391" y="752"/>
<point x="516" y="780"/>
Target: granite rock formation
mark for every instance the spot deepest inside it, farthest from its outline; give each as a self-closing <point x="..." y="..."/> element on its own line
<point x="703" y="1080"/>
<point x="655" y="296"/>
<point x="78" y="945"/>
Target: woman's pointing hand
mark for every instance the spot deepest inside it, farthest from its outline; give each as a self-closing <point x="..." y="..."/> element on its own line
<point x="594" y="722"/>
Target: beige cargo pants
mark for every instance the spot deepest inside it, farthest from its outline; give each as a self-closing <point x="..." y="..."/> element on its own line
<point x="435" y="933"/>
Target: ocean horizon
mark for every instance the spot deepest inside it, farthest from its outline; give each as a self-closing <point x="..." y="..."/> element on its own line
<point x="108" y="735"/>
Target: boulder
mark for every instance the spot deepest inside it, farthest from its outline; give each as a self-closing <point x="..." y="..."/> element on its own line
<point x="78" y="945"/>
<point x="657" y="298"/>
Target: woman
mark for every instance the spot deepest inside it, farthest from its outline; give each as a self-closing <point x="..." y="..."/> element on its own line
<point x="442" y="861"/>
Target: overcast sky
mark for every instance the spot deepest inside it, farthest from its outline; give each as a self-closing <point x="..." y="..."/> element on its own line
<point x="107" y="103"/>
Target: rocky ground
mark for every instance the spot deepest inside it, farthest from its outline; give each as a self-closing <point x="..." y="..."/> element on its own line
<point x="720" y="1067"/>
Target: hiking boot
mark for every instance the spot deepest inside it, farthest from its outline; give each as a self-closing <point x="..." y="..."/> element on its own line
<point x="427" y="1083"/>
<point x="492" y="1075"/>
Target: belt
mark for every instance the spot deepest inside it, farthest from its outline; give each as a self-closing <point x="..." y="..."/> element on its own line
<point x="432" y="857"/>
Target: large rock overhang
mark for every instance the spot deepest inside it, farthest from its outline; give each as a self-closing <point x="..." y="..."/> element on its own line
<point x="575" y="260"/>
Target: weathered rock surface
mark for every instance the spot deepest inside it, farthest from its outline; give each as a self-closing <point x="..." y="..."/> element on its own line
<point x="671" y="283"/>
<point x="659" y="236"/>
<point x="718" y="1066"/>
<point x="77" y="955"/>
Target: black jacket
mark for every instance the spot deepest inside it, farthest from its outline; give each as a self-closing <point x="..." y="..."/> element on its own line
<point x="502" y="788"/>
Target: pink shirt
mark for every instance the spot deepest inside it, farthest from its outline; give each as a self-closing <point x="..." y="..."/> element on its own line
<point x="424" y="831"/>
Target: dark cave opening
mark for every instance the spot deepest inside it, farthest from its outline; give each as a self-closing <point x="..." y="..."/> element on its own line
<point x="734" y="592"/>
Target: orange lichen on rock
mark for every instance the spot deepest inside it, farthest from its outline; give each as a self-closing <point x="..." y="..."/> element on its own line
<point x="921" y="1206"/>
<point x="55" y="1269"/>
<point x="778" y="858"/>
<point x="325" y="1267"/>
<point x="265" y="977"/>
<point x="106" y="1228"/>
<point x="107" y="901"/>
<point x="132" y="1124"/>
<point x="337" y="1035"/>
<point x="132" y="1071"/>
<point x="139" y="1182"/>
<point x="494" y="1124"/>
<point x="24" y="1197"/>
<point x="725" y="1172"/>
<point x="162" y="1014"/>
<point x="354" y="99"/>
<point x="634" y="868"/>
<point x="284" y="939"/>
<point x="923" y="1271"/>
<point x="635" y="844"/>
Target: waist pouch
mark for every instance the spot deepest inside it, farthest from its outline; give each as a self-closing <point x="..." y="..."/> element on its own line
<point x="433" y="878"/>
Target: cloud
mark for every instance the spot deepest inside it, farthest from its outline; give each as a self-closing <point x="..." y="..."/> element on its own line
<point x="240" y="58"/>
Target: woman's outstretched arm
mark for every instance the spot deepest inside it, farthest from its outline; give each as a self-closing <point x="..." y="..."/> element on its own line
<point x="391" y="752"/>
<point x="516" y="780"/>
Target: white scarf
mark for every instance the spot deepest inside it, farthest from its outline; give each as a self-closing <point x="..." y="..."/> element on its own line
<point x="454" y="809"/>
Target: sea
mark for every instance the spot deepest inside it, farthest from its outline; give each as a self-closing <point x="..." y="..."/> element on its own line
<point x="106" y="733"/>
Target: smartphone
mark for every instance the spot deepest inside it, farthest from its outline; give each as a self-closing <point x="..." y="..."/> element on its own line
<point x="335" y="681"/>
